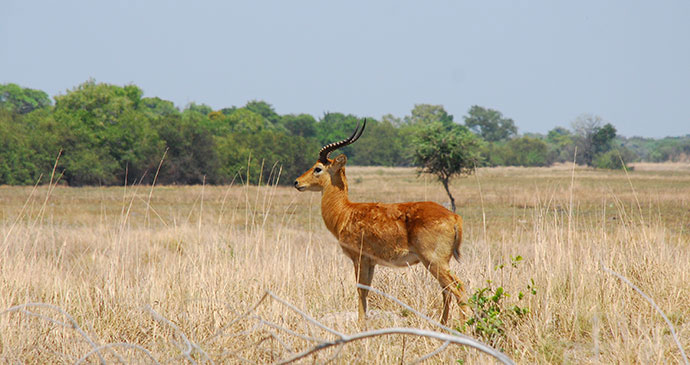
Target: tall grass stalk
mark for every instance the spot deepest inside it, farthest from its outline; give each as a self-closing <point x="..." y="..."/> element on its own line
<point x="216" y="250"/>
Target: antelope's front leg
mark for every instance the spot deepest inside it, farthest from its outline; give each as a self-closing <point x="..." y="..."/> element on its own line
<point x="364" y="271"/>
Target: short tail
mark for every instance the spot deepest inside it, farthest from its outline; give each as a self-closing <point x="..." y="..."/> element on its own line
<point x="457" y="241"/>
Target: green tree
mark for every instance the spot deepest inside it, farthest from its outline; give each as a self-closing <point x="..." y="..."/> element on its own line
<point x="228" y="111"/>
<point x="333" y="126"/>
<point x="303" y="125"/>
<point x="561" y="145"/>
<point x="216" y="122"/>
<point x="676" y="149"/>
<point x="592" y="138"/>
<point x="276" y="151"/>
<point x="265" y="110"/>
<point x="104" y="135"/>
<point x="392" y="120"/>
<point x="249" y="156"/>
<point x="404" y="137"/>
<point x="493" y="154"/>
<point x="380" y="145"/>
<point x="199" y="108"/>
<point x="192" y="155"/>
<point x="22" y="100"/>
<point x="43" y="139"/>
<point x="490" y="124"/>
<point x="527" y="151"/>
<point x="423" y="114"/>
<point x="241" y="121"/>
<point x="602" y="138"/>
<point x="446" y="151"/>
<point x="641" y="147"/>
<point x="16" y="156"/>
<point x="246" y="121"/>
<point x="157" y="107"/>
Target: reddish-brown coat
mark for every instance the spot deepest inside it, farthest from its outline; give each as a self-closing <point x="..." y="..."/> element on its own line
<point x="388" y="234"/>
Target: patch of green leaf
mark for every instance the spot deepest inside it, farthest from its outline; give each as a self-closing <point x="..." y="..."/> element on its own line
<point x="493" y="309"/>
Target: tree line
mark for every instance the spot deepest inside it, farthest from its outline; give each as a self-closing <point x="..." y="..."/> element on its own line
<point x="103" y="134"/>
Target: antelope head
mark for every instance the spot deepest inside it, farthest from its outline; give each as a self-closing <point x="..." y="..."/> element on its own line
<point x="326" y="171"/>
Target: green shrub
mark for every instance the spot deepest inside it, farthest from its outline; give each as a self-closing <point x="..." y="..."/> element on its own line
<point x="493" y="309"/>
<point x="615" y="159"/>
<point x="527" y="151"/>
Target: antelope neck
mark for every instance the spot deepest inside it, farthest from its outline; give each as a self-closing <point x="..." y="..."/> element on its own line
<point x="335" y="203"/>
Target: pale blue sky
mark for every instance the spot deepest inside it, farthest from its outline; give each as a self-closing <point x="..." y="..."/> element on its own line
<point x="542" y="63"/>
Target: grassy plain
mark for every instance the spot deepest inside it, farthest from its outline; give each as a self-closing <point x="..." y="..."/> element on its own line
<point x="172" y="267"/>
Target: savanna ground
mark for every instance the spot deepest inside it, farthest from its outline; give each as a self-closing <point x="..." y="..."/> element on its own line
<point x="172" y="267"/>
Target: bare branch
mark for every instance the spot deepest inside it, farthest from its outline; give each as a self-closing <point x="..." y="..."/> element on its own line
<point x="337" y="353"/>
<point x="431" y="354"/>
<point x="119" y="344"/>
<point x="396" y="300"/>
<point x="304" y="315"/>
<point x="291" y="332"/>
<point x="189" y="345"/>
<point x="403" y="331"/>
<point x="653" y="303"/>
<point x="244" y="315"/>
<point x="455" y="338"/>
<point x="72" y="323"/>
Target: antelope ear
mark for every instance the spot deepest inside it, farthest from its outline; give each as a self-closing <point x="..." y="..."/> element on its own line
<point x="339" y="162"/>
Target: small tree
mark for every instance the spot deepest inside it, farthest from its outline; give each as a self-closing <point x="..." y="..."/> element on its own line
<point x="490" y="124"/>
<point x="561" y="144"/>
<point x="303" y="125"/>
<point x="22" y="100"/>
<point x="602" y="138"/>
<point x="526" y="151"/>
<point x="446" y="151"/>
<point x="264" y="109"/>
<point x="423" y="114"/>
<point x="592" y="138"/>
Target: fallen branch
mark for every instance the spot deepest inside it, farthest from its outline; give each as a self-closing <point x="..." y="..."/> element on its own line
<point x="189" y="345"/>
<point x="653" y="303"/>
<point x="120" y="344"/>
<point x="22" y="308"/>
<point x="403" y="331"/>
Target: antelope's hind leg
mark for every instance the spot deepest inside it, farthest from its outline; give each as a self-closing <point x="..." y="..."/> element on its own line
<point x="461" y="296"/>
<point x="364" y="272"/>
<point x="451" y="285"/>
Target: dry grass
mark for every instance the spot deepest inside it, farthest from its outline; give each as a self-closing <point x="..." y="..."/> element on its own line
<point x="200" y="256"/>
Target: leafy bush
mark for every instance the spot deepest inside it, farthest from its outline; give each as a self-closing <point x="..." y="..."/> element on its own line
<point x="675" y="149"/>
<point x="192" y="156"/>
<point x="104" y="135"/>
<point x="523" y="151"/>
<point x="248" y="156"/>
<point x="17" y="99"/>
<point x="561" y="145"/>
<point x="491" y="310"/>
<point x="615" y="159"/>
<point x="380" y="145"/>
<point x="16" y="167"/>
<point x="27" y="147"/>
<point x="526" y="151"/>
<point x="493" y="154"/>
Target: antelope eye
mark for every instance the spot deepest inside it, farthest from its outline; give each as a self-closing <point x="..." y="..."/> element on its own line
<point x="317" y="170"/>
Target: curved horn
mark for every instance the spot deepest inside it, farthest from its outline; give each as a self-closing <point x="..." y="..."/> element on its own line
<point x="327" y="149"/>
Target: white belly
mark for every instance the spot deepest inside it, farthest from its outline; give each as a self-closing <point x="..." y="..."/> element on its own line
<point x="406" y="260"/>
